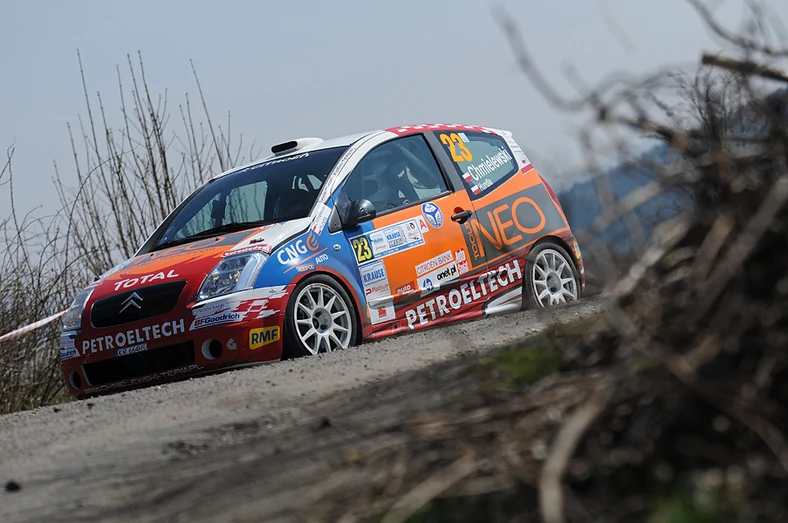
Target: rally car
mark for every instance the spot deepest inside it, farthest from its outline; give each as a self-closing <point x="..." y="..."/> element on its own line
<point x="323" y="245"/>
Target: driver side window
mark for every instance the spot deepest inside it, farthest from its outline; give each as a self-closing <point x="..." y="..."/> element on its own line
<point x="396" y="174"/>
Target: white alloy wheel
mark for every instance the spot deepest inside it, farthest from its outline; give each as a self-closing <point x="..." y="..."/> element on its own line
<point x="322" y="319"/>
<point x="553" y="278"/>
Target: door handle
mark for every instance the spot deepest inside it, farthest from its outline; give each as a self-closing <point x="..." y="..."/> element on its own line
<point x="462" y="216"/>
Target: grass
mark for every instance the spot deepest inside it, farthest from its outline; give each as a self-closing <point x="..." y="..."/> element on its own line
<point x="521" y="366"/>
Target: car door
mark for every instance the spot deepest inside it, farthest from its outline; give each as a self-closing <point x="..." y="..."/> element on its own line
<point x="513" y="209"/>
<point x="412" y="256"/>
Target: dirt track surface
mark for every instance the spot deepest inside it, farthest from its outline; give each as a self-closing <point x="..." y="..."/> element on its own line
<point x="245" y="445"/>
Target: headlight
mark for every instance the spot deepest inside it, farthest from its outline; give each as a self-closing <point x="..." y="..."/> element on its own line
<point x="72" y="320"/>
<point x="232" y="274"/>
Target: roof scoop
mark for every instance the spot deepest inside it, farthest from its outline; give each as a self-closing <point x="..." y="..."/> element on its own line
<point x="295" y="145"/>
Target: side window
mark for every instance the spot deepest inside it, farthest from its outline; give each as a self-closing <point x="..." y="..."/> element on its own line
<point x="396" y="174"/>
<point x="483" y="160"/>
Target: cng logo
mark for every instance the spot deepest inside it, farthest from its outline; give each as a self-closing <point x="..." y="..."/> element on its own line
<point x="292" y="253"/>
<point x="261" y="337"/>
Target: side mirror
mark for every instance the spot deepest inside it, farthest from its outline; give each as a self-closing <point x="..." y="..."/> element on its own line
<point x="360" y="211"/>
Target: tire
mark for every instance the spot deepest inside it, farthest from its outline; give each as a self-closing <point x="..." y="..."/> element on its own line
<point x="327" y="330"/>
<point x="551" y="277"/>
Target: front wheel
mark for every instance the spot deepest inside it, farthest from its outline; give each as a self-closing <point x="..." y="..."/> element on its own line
<point x="320" y="317"/>
<point x="552" y="278"/>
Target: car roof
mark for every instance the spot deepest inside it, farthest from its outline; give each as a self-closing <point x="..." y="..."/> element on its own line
<point x="317" y="144"/>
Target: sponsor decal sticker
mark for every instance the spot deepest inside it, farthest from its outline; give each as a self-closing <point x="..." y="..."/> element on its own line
<point x="462" y="261"/>
<point x="388" y="240"/>
<point x="262" y="337"/>
<point x="216" y="319"/>
<point x="409" y="288"/>
<point x="211" y="308"/>
<point x="67" y="354"/>
<point x="433" y="214"/>
<point x="206" y="315"/>
<point x="133" y="336"/>
<point x="373" y="273"/>
<point x="510" y="224"/>
<point x="265" y="249"/>
<point x="292" y="253"/>
<point x="145" y="379"/>
<point x="131" y="282"/>
<point x="435" y="279"/>
<point x="306" y="267"/>
<point x="131" y="350"/>
<point x="375" y="281"/>
<point x="466" y="294"/>
<point x="321" y="217"/>
<point x="422" y="224"/>
<point x="272" y="162"/>
<point x="434" y="263"/>
<point x="520" y="154"/>
<point x="381" y="312"/>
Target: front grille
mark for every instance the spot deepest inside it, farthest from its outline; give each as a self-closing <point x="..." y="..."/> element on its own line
<point x="139" y="364"/>
<point x="153" y="300"/>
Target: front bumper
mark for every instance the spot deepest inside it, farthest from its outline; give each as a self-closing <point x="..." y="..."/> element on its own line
<point x="100" y="361"/>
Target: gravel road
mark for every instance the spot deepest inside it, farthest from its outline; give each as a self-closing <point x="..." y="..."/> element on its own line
<point x="70" y="461"/>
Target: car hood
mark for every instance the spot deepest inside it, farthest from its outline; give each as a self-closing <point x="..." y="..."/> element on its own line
<point x="193" y="261"/>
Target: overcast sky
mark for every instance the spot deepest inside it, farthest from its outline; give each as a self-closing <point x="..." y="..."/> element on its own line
<point x="324" y="68"/>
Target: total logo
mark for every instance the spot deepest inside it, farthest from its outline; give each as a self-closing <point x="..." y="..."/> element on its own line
<point x="131" y="282"/>
<point x="432" y="213"/>
<point x="293" y="252"/>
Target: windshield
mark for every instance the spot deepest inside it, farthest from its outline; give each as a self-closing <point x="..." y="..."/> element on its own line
<point x="271" y="192"/>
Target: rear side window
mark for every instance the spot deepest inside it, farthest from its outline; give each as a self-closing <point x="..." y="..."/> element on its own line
<point x="483" y="160"/>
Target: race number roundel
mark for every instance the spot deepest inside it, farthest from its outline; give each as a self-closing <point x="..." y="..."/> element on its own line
<point x="432" y="213"/>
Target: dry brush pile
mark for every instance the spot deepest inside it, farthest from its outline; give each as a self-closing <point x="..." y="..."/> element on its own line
<point x="673" y="407"/>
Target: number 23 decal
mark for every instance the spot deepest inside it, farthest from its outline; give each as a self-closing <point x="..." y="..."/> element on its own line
<point x="362" y="249"/>
<point x="454" y="141"/>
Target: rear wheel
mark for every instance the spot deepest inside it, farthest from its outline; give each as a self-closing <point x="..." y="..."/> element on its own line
<point x="552" y="278"/>
<point x="320" y="318"/>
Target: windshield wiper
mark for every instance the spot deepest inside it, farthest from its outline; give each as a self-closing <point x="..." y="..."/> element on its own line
<point x="228" y="227"/>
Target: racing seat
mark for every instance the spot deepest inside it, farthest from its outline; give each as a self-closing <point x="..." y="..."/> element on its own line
<point x="292" y="203"/>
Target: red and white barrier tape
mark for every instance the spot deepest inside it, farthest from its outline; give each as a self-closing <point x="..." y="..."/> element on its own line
<point x="31" y="327"/>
